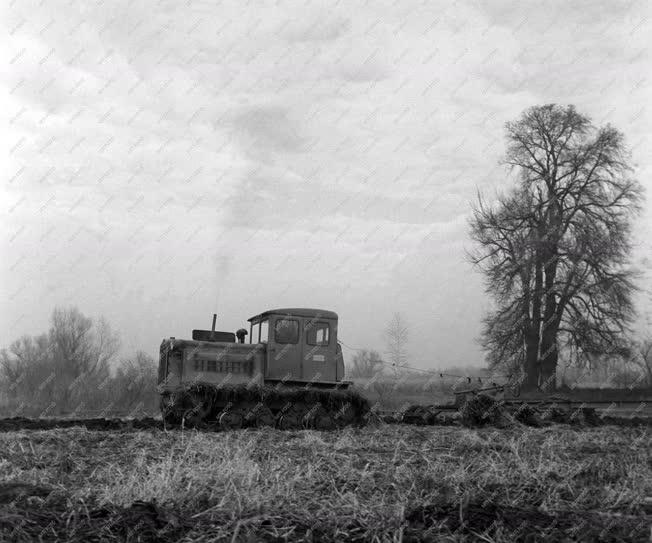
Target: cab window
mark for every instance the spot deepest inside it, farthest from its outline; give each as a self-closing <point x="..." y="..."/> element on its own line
<point x="318" y="333"/>
<point x="286" y="331"/>
<point x="264" y="331"/>
<point x="260" y="332"/>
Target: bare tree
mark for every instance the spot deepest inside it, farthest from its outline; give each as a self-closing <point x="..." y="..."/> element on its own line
<point x="25" y="364"/>
<point x="366" y="364"/>
<point x="396" y="337"/>
<point x="626" y="378"/>
<point x="554" y="250"/>
<point x="642" y="358"/>
<point x="62" y="369"/>
<point x="79" y="345"/>
<point x="135" y="382"/>
<point x="82" y="351"/>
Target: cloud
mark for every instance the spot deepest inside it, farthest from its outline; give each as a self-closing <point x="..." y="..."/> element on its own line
<point x="170" y="155"/>
<point x="323" y="28"/>
<point x="268" y="128"/>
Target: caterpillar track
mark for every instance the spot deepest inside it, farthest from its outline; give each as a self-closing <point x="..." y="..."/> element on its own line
<point x="233" y="407"/>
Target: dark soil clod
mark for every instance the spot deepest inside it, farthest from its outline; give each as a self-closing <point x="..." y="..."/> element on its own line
<point x="480" y="410"/>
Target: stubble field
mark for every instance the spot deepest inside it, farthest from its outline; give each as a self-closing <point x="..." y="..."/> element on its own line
<point x="382" y="483"/>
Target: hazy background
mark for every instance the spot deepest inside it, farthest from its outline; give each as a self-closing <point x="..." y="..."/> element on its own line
<point x="167" y="160"/>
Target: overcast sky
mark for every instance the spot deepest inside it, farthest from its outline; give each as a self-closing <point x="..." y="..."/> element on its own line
<point x="167" y="160"/>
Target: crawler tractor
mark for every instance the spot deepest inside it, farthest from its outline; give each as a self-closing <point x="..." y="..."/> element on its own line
<point x="290" y="374"/>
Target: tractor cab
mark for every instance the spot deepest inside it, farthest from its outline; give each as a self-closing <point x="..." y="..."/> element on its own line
<point x="300" y="344"/>
<point x="293" y="346"/>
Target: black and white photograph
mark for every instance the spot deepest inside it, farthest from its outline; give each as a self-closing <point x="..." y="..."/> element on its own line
<point x="326" y="271"/>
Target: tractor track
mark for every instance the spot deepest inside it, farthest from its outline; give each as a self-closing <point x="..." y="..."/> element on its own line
<point x="623" y="412"/>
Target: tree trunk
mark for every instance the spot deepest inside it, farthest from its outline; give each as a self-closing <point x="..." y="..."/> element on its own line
<point x="549" y="353"/>
<point x="549" y="359"/>
<point x="532" y="367"/>
<point x="531" y="381"/>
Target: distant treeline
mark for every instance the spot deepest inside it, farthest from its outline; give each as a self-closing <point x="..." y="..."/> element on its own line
<point x="74" y="369"/>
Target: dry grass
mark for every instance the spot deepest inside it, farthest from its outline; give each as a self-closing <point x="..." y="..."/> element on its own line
<point x="383" y="483"/>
